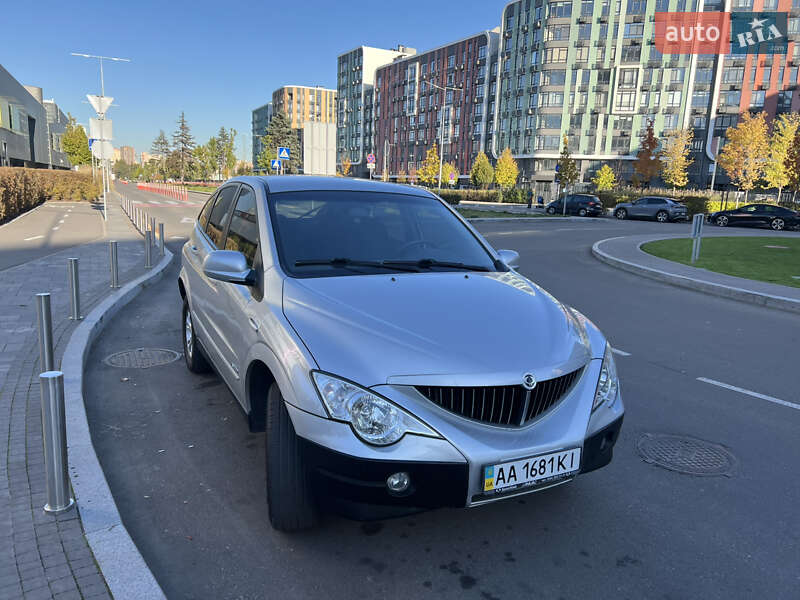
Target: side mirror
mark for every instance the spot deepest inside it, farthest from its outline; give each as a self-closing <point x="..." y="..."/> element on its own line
<point x="509" y="257"/>
<point x="229" y="266"/>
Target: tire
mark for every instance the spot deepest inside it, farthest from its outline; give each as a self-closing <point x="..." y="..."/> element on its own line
<point x="777" y="224"/>
<point x="721" y="221"/>
<point x="551" y="210"/>
<point x="662" y="216"/>
<point x="289" y="495"/>
<point x="193" y="355"/>
<point x="582" y="212"/>
<point x="621" y="214"/>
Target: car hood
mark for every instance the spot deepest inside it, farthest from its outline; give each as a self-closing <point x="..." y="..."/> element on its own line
<point x="435" y="328"/>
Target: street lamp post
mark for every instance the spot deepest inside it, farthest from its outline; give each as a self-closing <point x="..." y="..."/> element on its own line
<point x="445" y="89"/>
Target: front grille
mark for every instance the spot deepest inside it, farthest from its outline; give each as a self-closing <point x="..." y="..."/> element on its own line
<point x="502" y="405"/>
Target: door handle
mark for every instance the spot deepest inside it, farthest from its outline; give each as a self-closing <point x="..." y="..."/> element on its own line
<point x="193" y="249"/>
<point x="253" y="323"/>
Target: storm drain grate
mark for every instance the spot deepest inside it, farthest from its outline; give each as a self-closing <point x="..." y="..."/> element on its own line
<point x="685" y="454"/>
<point x="142" y="358"/>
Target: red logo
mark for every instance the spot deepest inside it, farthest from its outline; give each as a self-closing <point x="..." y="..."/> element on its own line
<point x="692" y="33"/>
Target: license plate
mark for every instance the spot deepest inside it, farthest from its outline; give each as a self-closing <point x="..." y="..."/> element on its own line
<point x="528" y="471"/>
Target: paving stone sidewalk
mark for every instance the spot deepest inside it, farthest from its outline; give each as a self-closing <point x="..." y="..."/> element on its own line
<point x="46" y="556"/>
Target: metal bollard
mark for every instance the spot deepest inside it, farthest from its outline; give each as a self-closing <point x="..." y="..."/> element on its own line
<point x="153" y="228"/>
<point x="74" y="289"/>
<point x="148" y="245"/>
<point x="45" y="332"/>
<point x="161" y="238"/>
<point x="112" y="255"/>
<point x="54" y="435"/>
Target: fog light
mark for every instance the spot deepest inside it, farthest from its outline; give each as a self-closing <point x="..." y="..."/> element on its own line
<point x="398" y="482"/>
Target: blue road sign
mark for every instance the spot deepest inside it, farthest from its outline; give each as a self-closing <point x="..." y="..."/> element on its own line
<point x="91" y="141"/>
<point x="275" y="164"/>
<point x="283" y="153"/>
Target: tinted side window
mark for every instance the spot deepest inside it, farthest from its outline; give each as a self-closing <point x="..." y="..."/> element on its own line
<point x="206" y="212"/>
<point x="220" y="215"/>
<point x="243" y="230"/>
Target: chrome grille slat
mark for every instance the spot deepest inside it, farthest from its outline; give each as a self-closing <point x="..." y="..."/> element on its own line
<point x="482" y="408"/>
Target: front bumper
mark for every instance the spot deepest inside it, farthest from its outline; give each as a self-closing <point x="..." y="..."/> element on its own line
<point x="356" y="486"/>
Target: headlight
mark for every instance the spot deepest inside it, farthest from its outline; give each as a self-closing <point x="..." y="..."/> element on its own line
<point x="373" y="418"/>
<point x="608" y="383"/>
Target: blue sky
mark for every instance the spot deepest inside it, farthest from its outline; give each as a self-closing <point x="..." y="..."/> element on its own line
<point x="214" y="60"/>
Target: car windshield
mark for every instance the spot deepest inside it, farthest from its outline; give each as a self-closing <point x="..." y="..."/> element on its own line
<point x="324" y="233"/>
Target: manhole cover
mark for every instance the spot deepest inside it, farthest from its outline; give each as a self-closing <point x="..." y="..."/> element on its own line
<point x="685" y="454"/>
<point x="142" y="358"/>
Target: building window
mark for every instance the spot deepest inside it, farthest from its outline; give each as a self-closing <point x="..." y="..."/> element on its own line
<point x="700" y="99"/>
<point x="582" y="54"/>
<point x="670" y="121"/>
<point x="482" y="51"/>
<point x="673" y="98"/>
<point x="451" y="61"/>
<point x="626" y="100"/>
<point x="555" y="77"/>
<point x="757" y="99"/>
<point x="559" y="9"/>
<point x="621" y="144"/>
<point x="631" y="53"/>
<point x="548" y="121"/>
<point x="627" y="78"/>
<point x="546" y="142"/>
<point x="555" y="55"/>
<point x="703" y="75"/>
<point x="587" y="8"/>
<point x="636" y="7"/>
<point x="634" y="30"/>
<point x="551" y="99"/>
<point x="584" y="31"/>
<point x="556" y="33"/>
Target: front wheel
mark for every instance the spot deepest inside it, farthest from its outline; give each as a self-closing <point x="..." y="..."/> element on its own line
<point x="662" y="216"/>
<point x="196" y="362"/>
<point x="621" y="214"/>
<point x="722" y="221"/>
<point x="551" y="210"/>
<point x="777" y="224"/>
<point x="289" y="495"/>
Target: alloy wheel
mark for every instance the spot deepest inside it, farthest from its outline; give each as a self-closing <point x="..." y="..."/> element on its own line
<point x="188" y="333"/>
<point x="777" y="224"/>
<point x="722" y="221"/>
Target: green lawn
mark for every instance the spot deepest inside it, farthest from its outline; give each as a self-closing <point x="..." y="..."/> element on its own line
<point x="471" y="213"/>
<point x="746" y="257"/>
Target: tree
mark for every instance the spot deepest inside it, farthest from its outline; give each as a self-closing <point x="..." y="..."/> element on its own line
<point x="482" y="171"/>
<point x="784" y="131"/>
<point x="280" y="133"/>
<point x="428" y="173"/>
<point x="346" y="166"/>
<point x="401" y="176"/>
<point x="745" y="151"/>
<point x="76" y="144"/>
<point x="604" y="180"/>
<point x="449" y="169"/>
<point x="647" y="164"/>
<point x="161" y="148"/>
<point x="568" y="172"/>
<point x="226" y="157"/>
<point x="793" y="165"/>
<point x="184" y="145"/>
<point x="675" y="159"/>
<point x="506" y="171"/>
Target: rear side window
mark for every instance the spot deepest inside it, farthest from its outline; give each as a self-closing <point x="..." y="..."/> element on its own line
<point x="243" y="230"/>
<point x="206" y="212"/>
<point x="220" y="215"/>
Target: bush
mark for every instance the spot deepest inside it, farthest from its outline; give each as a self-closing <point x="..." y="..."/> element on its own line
<point x="457" y="196"/>
<point x="23" y="189"/>
<point x="516" y="196"/>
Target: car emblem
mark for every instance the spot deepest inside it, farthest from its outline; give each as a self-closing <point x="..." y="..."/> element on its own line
<point x="528" y="381"/>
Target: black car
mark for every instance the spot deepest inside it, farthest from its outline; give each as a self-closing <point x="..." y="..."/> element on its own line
<point x="757" y="215"/>
<point x="583" y="205"/>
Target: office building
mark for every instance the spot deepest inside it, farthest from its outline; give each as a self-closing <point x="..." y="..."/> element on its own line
<point x="26" y="139"/>
<point x="354" y="117"/>
<point x="451" y="86"/>
<point x="260" y="121"/>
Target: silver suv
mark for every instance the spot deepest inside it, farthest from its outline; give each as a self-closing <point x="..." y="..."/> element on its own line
<point x="652" y="207"/>
<point x="396" y="360"/>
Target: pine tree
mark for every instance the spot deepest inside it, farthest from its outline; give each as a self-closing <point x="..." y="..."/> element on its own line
<point x="280" y="133"/>
<point x="482" y="171"/>
<point x="745" y="152"/>
<point x="428" y="173"/>
<point x="184" y="145"/>
<point x="647" y="164"/>
<point x="506" y="171"/>
<point x="76" y="144"/>
<point x="784" y="131"/>
<point x="675" y="159"/>
<point x="604" y="180"/>
<point x="568" y="172"/>
<point x="161" y="148"/>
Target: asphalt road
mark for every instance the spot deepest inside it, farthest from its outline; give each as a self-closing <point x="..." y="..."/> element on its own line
<point x="47" y="229"/>
<point x="178" y="216"/>
<point x="189" y="478"/>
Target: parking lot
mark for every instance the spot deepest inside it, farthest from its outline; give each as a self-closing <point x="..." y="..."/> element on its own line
<point x="189" y="479"/>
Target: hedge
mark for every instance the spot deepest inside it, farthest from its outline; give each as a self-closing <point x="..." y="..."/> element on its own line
<point x="22" y="189"/>
<point x="513" y="195"/>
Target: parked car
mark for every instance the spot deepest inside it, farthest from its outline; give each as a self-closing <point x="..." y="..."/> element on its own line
<point x="660" y="208"/>
<point x="583" y="205"/>
<point x="341" y="315"/>
<point x="757" y="215"/>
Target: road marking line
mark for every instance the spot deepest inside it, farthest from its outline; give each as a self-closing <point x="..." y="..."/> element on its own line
<point x="36" y="237"/>
<point x="55" y="228"/>
<point x="176" y="237"/>
<point x="187" y="220"/>
<point x="170" y="202"/>
<point x="733" y="388"/>
<point x="156" y="202"/>
<point x="620" y="352"/>
<point x="61" y="221"/>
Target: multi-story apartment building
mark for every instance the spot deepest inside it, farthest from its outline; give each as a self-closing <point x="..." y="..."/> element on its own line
<point x="355" y="118"/>
<point x="590" y="70"/>
<point x="445" y="96"/>
<point x="261" y="118"/>
<point x="303" y="103"/>
<point x="127" y="154"/>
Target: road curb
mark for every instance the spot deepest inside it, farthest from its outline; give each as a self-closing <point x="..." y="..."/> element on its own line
<point x="716" y="289"/>
<point x="538" y="219"/>
<point x="120" y="562"/>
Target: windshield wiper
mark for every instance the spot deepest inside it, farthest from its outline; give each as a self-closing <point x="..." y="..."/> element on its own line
<point x="427" y="263"/>
<point x="349" y="262"/>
